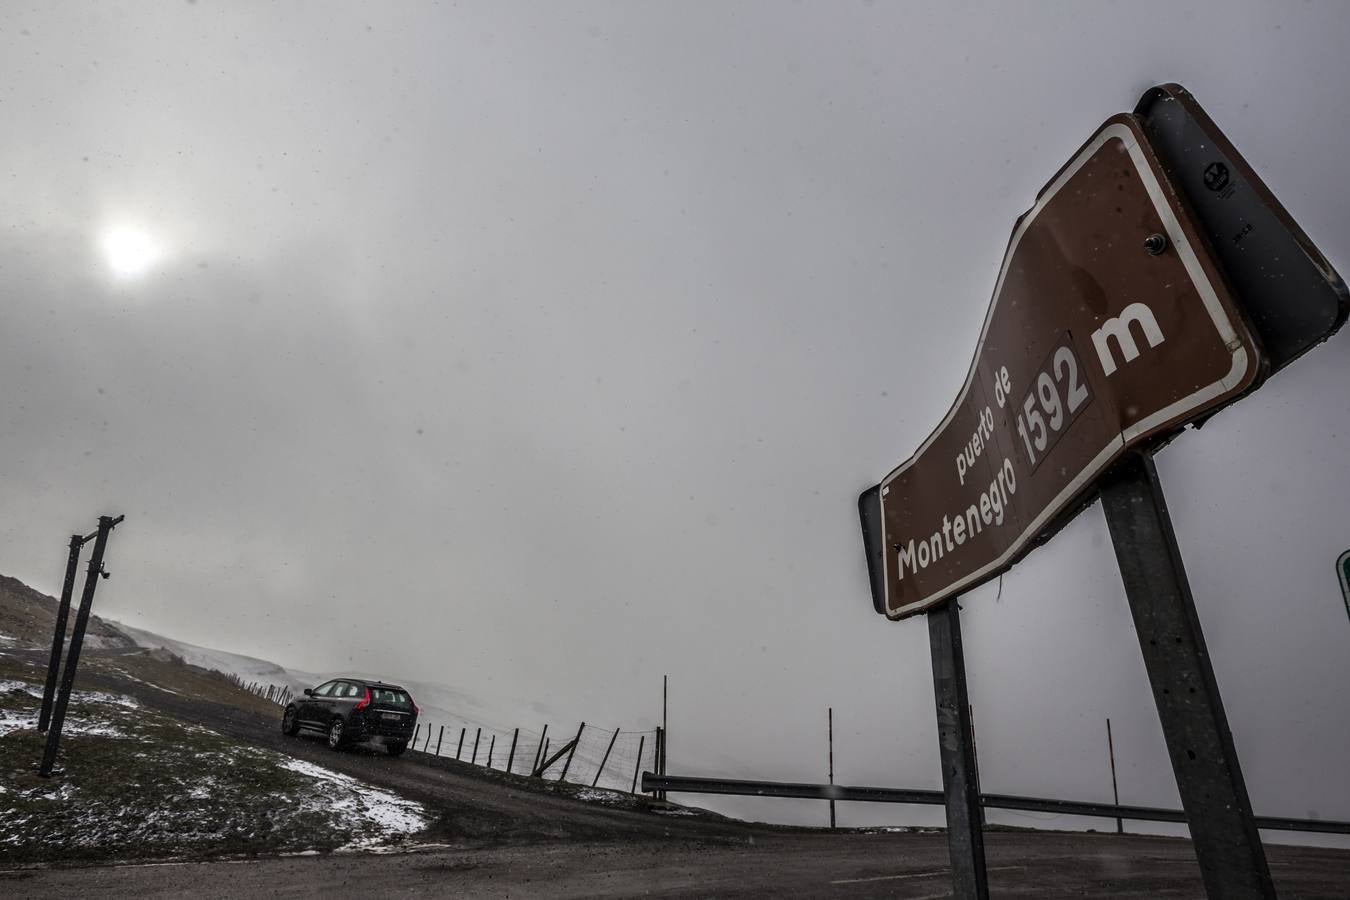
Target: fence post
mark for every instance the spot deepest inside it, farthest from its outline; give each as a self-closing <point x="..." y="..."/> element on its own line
<point x="440" y="737"/>
<point x="665" y="728"/>
<point x="59" y="638"/>
<point x="416" y="732"/>
<point x="638" y="768"/>
<point x="105" y="527"/>
<point x="428" y="741"/>
<point x="605" y="759"/>
<point x="511" y="757"/>
<point x="539" y="749"/>
<point x="477" y="734"/>
<point x="492" y="745"/>
<point x="460" y="748"/>
<point x="572" y="753"/>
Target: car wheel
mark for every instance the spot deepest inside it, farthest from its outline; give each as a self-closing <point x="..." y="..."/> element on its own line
<point x="396" y="748"/>
<point x="335" y="736"/>
<point x="290" y="722"/>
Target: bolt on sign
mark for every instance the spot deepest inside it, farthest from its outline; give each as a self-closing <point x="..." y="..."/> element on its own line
<point x="1111" y="323"/>
<point x="1114" y="320"/>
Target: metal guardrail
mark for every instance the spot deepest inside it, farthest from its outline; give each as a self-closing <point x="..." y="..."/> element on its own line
<point x="689" y="785"/>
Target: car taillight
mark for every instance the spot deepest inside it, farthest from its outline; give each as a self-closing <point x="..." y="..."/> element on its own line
<point x="364" y="701"/>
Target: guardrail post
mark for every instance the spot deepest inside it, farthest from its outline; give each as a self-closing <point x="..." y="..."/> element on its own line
<point x="1209" y="779"/>
<point x="960" y="782"/>
<point x="657" y="762"/>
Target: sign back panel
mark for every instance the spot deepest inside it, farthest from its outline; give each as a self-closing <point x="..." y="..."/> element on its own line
<point x="1110" y="324"/>
<point x="1292" y="296"/>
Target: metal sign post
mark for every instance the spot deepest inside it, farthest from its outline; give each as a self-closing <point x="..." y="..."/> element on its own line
<point x="1209" y="779"/>
<point x="1343" y="573"/>
<point x="960" y="781"/>
<point x="830" y="729"/>
<point x="105" y="527"/>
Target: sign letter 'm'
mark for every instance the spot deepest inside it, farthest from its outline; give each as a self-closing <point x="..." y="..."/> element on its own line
<point x="1119" y="328"/>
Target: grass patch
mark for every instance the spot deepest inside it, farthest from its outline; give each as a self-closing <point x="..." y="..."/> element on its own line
<point x="133" y="783"/>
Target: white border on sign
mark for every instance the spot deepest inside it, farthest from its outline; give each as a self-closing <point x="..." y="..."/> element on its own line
<point x="1227" y="331"/>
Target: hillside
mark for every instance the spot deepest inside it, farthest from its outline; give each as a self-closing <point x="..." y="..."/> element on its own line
<point x="28" y="618"/>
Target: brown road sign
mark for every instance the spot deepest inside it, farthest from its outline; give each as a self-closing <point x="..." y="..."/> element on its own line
<point x="1110" y="324"/>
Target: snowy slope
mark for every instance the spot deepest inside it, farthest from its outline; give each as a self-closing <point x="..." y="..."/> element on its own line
<point x="249" y="668"/>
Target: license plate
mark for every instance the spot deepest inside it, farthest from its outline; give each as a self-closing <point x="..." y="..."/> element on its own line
<point x="394" y="716"/>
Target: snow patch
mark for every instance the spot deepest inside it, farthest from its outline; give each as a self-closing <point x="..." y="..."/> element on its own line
<point x="104" y="697"/>
<point x="11" y="721"/>
<point x="129" y="677"/>
<point x="20" y="686"/>
<point x="362" y="808"/>
<point x="599" y="795"/>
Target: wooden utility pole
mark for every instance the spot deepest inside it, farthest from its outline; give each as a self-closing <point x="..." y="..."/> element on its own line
<point x="59" y="638"/>
<point x="105" y="526"/>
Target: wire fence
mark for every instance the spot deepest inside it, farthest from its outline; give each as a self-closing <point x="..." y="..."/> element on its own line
<point x="588" y="755"/>
<point x="607" y="758"/>
<point x="274" y="693"/>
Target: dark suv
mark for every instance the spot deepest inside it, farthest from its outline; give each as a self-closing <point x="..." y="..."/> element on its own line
<point x="346" y="710"/>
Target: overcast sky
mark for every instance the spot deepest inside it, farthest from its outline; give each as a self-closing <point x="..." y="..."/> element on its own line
<point x="543" y="349"/>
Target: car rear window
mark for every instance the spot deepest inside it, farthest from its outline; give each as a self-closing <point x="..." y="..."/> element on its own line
<point x="386" y="697"/>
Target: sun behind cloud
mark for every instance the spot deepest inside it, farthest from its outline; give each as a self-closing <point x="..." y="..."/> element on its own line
<point x="130" y="251"/>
